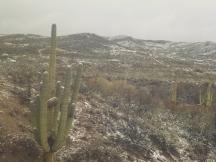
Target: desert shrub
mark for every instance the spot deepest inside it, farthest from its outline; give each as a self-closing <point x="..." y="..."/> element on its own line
<point x="124" y="89"/>
<point x="98" y="150"/>
<point x="203" y="122"/>
<point x="143" y="96"/>
<point x="104" y="85"/>
<point x="120" y="88"/>
<point x="197" y="120"/>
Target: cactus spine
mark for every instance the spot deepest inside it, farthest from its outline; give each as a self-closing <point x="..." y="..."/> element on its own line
<point x="52" y="110"/>
<point x="75" y="90"/>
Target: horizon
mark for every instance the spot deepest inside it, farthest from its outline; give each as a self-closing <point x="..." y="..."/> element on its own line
<point x="173" y="20"/>
<point x="104" y="36"/>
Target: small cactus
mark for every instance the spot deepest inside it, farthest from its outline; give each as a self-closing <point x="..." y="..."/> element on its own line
<point x="53" y="108"/>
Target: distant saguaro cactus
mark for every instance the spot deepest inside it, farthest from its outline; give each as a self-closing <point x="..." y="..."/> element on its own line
<point x="209" y="95"/>
<point x="53" y="108"/>
<point x="201" y="97"/>
<point x="173" y="92"/>
<point x="206" y="94"/>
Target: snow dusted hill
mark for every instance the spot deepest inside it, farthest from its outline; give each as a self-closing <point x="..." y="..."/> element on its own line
<point x="137" y="124"/>
<point x="92" y="43"/>
<point x="124" y="48"/>
<point x="168" y="48"/>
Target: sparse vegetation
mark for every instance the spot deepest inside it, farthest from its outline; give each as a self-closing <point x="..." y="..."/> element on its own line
<point x="24" y="73"/>
<point x="132" y="106"/>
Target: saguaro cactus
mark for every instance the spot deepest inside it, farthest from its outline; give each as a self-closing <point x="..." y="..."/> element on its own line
<point x="52" y="61"/>
<point x="209" y="95"/>
<point x="53" y="108"/>
<point x="201" y="97"/>
<point x="173" y="92"/>
<point x="206" y="96"/>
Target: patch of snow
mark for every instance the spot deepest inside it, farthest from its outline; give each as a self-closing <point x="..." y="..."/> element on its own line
<point x="8" y="44"/>
<point x="11" y="60"/>
<point x="156" y="155"/>
<point x="5" y="54"/>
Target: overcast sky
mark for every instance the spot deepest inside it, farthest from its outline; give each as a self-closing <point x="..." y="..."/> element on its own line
<point x="179" y="20"/>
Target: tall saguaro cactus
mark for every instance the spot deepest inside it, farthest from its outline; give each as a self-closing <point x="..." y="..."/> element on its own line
<point x="53" y="108"/>
<point x="52" y="61"/>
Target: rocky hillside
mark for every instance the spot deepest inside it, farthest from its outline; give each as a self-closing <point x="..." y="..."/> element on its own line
<point x="87" y="43"/>
<point x="127" y="51"/>
<point x="125" y="111"/>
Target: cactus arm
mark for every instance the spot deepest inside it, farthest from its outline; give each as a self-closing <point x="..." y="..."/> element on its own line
<point x="51" y="105"/>
<point x="35" y="105"/>
<point x="70" y="119"/>
<point x="64" y="110"/>
<point x="59" y="91"/>
<point x="43" y="112"/>
<point x="74" y="96"/>
<point x="76" y="85"/>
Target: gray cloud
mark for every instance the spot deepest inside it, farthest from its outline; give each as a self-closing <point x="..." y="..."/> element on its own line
<point x="179" y="20"/>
